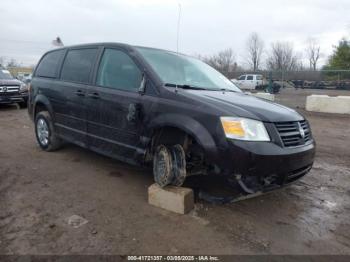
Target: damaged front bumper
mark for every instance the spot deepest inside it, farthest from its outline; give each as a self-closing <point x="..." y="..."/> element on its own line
<point x="257" y="168"/>
<point x="265" y="166"/>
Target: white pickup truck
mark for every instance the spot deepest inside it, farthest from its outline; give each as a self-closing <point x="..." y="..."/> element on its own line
<point x="250" y="81"/>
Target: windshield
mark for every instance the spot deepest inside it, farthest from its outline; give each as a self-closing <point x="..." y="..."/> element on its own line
<point x="4" y="74"/>
<point x="176" y="69"/>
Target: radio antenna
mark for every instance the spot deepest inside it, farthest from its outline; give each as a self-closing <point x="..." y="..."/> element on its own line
<point x="178" y="29"/>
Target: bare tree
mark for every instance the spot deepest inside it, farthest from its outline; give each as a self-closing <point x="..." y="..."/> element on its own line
<point x="313" y="53"/>
<point x="282" y="57"/>
<point x="12" y="63"/>
<point x="300" y="65"/>
<point x="2" y="62"/>
<point x="255" y="48"/>
<point x="223" y="61"/>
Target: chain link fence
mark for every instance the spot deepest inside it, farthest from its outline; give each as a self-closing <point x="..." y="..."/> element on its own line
<point x="321" y="79"/>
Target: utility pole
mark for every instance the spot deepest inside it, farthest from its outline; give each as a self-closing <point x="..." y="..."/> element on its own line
<point x="178" y="29"/>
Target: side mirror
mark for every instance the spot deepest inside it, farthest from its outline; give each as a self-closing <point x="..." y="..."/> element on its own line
<point x="143" y="84"/>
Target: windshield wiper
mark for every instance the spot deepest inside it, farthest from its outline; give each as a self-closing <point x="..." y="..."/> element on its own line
<point x="185" y="86"/>
<point x="227" y="90"/>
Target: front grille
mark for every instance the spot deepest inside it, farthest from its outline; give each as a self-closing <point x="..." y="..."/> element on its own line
<point x="9" y="90"/>
<point x="294" y="133"/>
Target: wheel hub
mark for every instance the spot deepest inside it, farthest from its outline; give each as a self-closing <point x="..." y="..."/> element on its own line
<point x="43" y="132"/>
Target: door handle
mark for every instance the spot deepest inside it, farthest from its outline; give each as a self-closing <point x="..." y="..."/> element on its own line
<point x="94" y="95"/>
<point x="79" y="93"/>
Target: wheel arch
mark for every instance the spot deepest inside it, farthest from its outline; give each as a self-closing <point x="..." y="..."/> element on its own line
<point x="41" y="103"/>
<point x="188" y="126"/>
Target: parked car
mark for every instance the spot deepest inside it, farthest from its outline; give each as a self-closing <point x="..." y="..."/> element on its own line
<point x="149" y="106"/>
<point x="250" y="81"/>
<point x="12" y="90"/>
<point x="298" y="83"/>
<point x="24" y="77"/>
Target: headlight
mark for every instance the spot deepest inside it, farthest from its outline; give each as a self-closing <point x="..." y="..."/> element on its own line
<point x="23" y="87"/>
<point x="244" y="129"/>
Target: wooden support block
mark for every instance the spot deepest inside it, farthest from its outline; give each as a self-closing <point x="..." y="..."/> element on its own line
<point x="176" y="199"/>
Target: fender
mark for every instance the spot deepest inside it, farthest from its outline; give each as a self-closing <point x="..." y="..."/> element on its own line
<point x="188" y="125"/>
<point x="44" y="100"/>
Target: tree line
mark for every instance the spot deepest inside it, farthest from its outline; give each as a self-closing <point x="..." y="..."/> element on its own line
<point x="8" y="63"/>
<point x="280" y="56"/>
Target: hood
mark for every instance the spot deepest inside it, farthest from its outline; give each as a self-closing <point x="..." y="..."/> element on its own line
<point x="243" y="105"/>
<point x="10" y="82"/>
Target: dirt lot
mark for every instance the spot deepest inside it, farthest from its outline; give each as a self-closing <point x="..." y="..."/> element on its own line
<point x="39" y="191"/>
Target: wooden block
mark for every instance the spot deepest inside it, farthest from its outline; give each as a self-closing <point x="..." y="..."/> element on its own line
<point x="176" y="199"/>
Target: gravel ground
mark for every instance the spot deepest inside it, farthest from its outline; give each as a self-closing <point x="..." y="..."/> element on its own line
<point x="39" y="192"/>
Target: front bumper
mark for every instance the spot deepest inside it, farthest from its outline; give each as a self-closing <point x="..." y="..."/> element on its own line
<point x="265" y="165"/>
<point x="13" y="98"/>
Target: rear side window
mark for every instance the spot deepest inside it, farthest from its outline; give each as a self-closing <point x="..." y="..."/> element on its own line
<point x="78" y="65"/>
<point x="118" y="70"/>
<point x="249" y="77"/>
<point x="48" y="66"/>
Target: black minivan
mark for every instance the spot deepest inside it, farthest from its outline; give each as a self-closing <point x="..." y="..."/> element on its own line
<point x="149" y="106"/>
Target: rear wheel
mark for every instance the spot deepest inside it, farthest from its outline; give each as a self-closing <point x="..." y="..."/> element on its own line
<point x="45" y="133"/>
<point x="23" y="104"/>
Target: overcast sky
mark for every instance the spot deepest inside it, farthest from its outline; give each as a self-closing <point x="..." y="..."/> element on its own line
<point x="29" y="26"/>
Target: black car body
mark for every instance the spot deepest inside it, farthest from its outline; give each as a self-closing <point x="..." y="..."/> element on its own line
<point x="184" y="129"/>
<point x="12" y="90"/>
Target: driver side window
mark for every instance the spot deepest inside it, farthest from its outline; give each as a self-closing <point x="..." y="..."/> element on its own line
<point x="117" y="70"/>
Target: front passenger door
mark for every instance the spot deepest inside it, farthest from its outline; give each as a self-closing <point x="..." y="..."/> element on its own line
<point x="111" y="131"/>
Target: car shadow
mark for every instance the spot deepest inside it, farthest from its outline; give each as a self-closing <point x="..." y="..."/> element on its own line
<point x="8" y="107"/>
<point x="213" y="185"/>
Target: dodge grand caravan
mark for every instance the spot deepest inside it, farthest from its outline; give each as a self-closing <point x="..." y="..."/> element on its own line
<point x="154" y="107"/>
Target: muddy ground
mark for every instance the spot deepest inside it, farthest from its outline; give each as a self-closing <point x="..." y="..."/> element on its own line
<point x="39" y="191"/>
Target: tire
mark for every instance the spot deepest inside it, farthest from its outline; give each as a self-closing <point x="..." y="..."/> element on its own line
<point x="179" y="165"/>
<point x="162" y="166"/>
<point x="23" y="104"/>
<point x="45" y="132"/>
